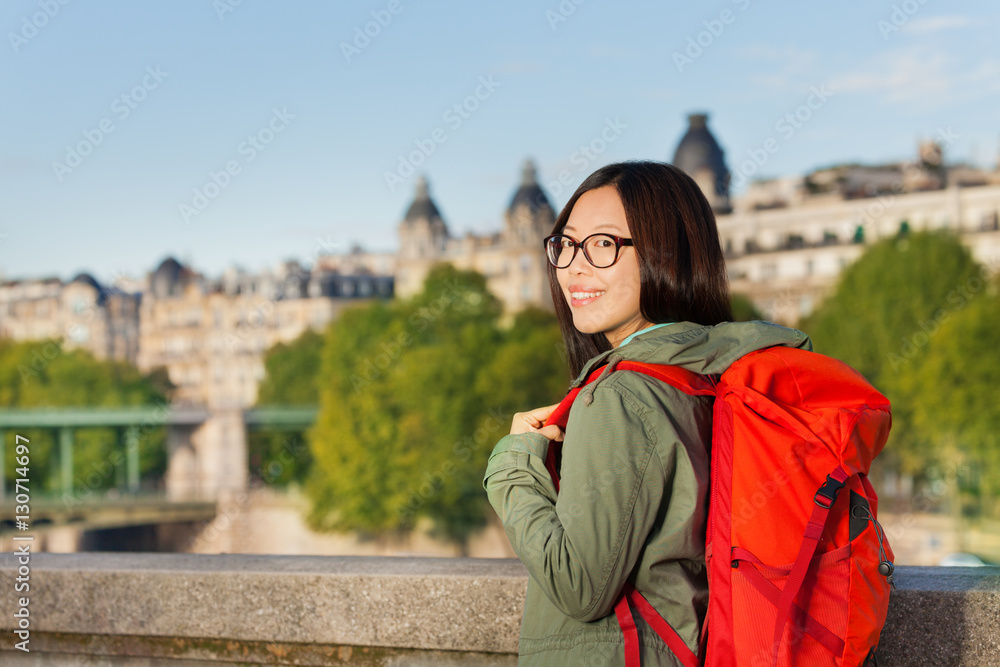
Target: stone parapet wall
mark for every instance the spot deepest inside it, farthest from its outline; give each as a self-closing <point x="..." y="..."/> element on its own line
<point x="313" y="610"/>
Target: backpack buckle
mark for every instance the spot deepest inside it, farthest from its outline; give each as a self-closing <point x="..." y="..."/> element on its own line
<point x="828" y="492"/>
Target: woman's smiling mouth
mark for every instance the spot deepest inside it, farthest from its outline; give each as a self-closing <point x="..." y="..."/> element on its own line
<point x="581" y="297"/>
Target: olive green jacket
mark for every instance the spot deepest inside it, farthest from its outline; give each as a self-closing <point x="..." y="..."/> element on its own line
<point x="632" y="504"/>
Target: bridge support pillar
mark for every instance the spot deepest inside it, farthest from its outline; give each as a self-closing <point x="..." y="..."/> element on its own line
<point x="132" y="459"/>
<point x="181" y="480"/>
<point x="3" y="465"/>
<point x="208" y="461"/>
<point x="66" y="459"/>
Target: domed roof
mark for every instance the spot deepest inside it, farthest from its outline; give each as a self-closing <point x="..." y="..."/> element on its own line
<point x="699" y="150"/>
<point x="166" y="277"/>
<point x="529" y="193"/>
<point x="422" y="206"/>
<point x="88" y="279"/>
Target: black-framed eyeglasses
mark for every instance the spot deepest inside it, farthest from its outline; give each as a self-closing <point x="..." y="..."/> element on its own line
<point x="601" y="250"/>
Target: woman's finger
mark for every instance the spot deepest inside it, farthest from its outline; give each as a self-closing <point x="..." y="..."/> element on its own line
<point x="541" y="414"/>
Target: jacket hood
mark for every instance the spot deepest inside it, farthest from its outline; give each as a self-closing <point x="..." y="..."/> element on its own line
<point x="708" y="350"/>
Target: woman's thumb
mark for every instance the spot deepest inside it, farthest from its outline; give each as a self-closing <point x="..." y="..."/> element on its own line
<point x="552" y="432"/>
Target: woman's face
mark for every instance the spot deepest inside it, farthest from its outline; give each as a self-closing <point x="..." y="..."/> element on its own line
<point x="602" y="300"/>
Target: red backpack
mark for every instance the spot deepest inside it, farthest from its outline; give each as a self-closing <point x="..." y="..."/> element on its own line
<point x="796" y="574"/>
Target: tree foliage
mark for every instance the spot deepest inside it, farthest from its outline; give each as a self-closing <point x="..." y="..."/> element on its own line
<point x="954" y="392"/>
<point x="888" y="304"/>
<point x="744" y="310"/>
<point x="291" y="374"/>
<point x="887" y="312"/>
<point x="414" y="395"/>
<point x="41" y="373"/>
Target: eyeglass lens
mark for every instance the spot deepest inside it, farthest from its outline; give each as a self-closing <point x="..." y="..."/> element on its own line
<point x="601" y="250"/>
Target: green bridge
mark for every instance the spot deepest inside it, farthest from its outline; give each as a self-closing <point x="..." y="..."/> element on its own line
<point x="206" y="447"/>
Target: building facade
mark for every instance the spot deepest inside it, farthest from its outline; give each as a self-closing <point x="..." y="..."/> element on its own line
<point x="512" y="260"/>
<point x="82" y="313"/>
<point x="211" y="336"/>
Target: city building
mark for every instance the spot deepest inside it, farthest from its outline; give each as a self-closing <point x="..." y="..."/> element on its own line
<point x="82" y="313"/>
<point x="512" y="259"/>
<point x="211" y="335"/>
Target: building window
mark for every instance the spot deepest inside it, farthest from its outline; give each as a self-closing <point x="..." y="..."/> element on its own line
<point x="768" y="271"/>
<point x="809" y="267"/>
<point x="525" y="263"/>
<point x="525" y="291"/>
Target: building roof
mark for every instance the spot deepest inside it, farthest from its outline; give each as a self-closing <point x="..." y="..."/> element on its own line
<point x="165" y="278"/>
<point x="423" y="206"/>
<point x="529" y="193"/>
<point x="88" y="279"/>
<point x="699" y="150"/>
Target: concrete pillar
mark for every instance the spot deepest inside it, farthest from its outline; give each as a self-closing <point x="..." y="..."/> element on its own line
<point x="181" y="479"/>
<point x="132" y="459"/>
<point x="3" y="465"/>
<point x="221" y="447"/>
<point x="208" y="461"/>
<point x="66" y="458"/>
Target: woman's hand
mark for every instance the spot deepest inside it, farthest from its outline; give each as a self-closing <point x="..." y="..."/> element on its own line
<point x="531" y="422"/>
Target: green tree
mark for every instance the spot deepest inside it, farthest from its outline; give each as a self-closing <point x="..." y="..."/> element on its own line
<point x="416" y="393"/>
<point x="398" y="405"/>
<point x="887" y="305"/>
<point x="291" y="379"/>
<point x="40" y="373"/>
<point x="954" y="394"/>
<point x="887" y="308"/>
<point x="744" y="310"/>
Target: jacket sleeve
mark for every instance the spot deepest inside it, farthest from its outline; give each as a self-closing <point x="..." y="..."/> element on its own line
<point x="582" y="546"/>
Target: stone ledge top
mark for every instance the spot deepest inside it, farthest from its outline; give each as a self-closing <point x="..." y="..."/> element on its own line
<point x="384" y="566"/>
<point x="405" y="602"/>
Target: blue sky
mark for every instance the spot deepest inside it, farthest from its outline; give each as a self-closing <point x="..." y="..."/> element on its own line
<point x="210" y="84"/>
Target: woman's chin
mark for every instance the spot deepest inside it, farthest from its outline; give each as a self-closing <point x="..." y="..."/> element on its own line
<point x="587" y="327"/>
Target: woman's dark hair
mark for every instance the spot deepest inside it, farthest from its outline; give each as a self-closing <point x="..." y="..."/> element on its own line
<point x="682" y="271"/>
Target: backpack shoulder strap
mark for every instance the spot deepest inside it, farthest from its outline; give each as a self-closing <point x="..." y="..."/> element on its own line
<point x="686" y="381"/>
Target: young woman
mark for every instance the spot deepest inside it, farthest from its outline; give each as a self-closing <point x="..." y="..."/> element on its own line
<point x="636" y="272"/>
